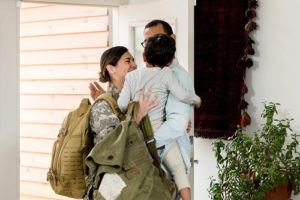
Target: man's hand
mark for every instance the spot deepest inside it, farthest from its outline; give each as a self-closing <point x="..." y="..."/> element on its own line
<point x="147" y="102"/>
<point x="189" y="127"/>
<point x="95" y="90"/>
<point x="199" y="104"/>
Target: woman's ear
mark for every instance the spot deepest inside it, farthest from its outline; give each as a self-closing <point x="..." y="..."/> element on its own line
<point x="111" y="69"/>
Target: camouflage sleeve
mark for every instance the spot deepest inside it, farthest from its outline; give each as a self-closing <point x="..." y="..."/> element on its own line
<point x="102" y="120"/>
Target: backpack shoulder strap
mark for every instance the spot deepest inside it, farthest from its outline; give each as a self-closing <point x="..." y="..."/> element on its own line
<point x="112" y="103"/>
<point x="146" y="128"/>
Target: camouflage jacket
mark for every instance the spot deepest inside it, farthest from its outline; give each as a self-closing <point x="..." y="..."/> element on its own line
<point x="102" y="118"/>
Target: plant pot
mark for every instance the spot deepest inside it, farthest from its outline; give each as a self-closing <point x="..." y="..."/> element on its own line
<point x="281" y="192"/>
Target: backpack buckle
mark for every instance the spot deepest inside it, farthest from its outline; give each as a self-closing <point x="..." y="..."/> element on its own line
<point x="150" y="141"/>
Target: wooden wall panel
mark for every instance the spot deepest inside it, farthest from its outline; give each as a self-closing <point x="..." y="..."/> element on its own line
<point x="37" y="160"/>
<point x="59" y="12"/>
<point x="74" y="87"/>
<point x="57" y="57"/>
<point x="56" y="72"/>
<point x="36" y="145"/>
<point x="61" y="46"/>
<point x="65" y="41"/>
<point x="50" y="101"/>
<point x="39" y="130"/>
<point x="39" y="191"/>
<point x="77" y="25"/>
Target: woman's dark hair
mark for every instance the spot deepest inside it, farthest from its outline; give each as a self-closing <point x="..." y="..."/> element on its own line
<point x="166" y="26"/>
<point x="160" y="50"/>
<point x="110" y="57"/>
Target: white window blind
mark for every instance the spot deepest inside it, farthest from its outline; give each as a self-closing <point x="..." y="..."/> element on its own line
<point x="60" y="49"/>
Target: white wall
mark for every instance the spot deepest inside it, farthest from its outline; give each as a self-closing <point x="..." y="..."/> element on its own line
<point x="276" y="74"/>
<point x="9" y="101"/>
<point x="275" y="77"/>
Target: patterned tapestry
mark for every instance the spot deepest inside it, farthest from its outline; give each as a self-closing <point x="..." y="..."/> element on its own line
<point x="223" y="45"/>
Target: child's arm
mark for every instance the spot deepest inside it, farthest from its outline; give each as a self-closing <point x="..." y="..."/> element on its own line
<point x="124" y="96"/>
<point x="179" y="91"/>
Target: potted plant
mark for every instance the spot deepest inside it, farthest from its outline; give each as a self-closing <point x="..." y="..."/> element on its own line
<point x="260" y="165"/>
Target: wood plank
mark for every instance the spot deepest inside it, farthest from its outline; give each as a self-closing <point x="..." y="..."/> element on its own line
<point x="60" y="55"/>
<point x="37" y="160"/>
<point x="71" y="56"/>
<point x="50" y="101"/>
<point x="57" y="42"/>
<point x="77" y="87"/>
<point x="42" y="190"/>
<point x="35" y="145"/>
<point x="29" y="197"/>
<point x="38" y="175"/>
<point x="58" y="12"/>
<point x="25" y="5"/>
<point x="46" y="131"/>
<point x="55" y="72"/>
<point x="43" y="116"/>
<point x="78" y="25"/>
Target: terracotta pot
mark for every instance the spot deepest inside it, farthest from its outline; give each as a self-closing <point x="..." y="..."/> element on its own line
<point x="281" y="192"/>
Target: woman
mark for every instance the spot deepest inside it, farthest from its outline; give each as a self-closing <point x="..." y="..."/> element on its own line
<point x="115" y="63"/>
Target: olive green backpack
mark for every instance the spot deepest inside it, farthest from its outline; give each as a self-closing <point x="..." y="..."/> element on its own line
<point x="68" y="174"/>
<point x="125" y="164"/>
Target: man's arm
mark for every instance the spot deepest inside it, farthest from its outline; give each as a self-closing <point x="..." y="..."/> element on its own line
<point x="176" y="122"/>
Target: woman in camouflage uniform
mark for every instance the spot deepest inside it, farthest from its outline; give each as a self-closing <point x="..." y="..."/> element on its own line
<point x="115" y="63"/>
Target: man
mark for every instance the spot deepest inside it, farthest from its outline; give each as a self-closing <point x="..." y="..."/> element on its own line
<point x="178" y="114"/>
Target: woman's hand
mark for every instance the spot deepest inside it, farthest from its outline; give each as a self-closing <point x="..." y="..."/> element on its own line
<point x="95" y="90"/>
<point x="147" y="102"/>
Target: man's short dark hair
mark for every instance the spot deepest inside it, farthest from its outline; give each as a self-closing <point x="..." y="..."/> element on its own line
<point x="160" y="50"/>
<point x="166" y="26"/>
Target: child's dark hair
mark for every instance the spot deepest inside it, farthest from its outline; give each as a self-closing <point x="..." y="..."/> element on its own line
<point x="160" y="50"/>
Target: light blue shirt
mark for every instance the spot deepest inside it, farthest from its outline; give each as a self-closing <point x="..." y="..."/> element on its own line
<point x="162" y="82"/>
<point x="177" y="116"/>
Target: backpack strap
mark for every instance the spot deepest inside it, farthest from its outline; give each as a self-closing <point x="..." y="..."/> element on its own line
<point x="112" y="103"/>
<point x="146" y="127"/>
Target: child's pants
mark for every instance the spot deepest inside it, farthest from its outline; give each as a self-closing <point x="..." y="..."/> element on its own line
<point x="175" y="165"/>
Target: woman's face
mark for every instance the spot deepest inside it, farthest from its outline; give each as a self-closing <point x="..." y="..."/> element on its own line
<point x="124" y="65"/>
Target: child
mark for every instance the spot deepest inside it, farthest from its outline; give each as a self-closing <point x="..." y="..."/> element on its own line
<point x="159" y="53"/>
<point x="157" y="76"/>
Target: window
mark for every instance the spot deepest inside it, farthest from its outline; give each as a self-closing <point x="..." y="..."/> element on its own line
<point x="60" y="49"/>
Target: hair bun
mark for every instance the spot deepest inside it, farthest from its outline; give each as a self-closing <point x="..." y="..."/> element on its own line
<point x="103" y="78"/>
